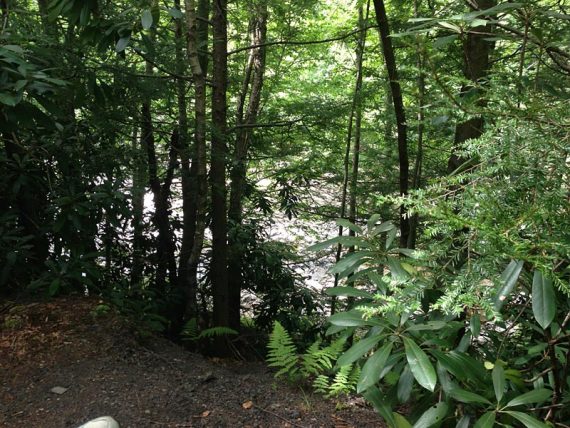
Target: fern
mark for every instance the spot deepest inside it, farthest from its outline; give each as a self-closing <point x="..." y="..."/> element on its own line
<point x="321" y="384"/>
<point x="216" y="332"/>
<point x="191" y="331"/>
<point x="344" y="381"/>
<point x="317" y="361"/>
<point x="282" y="352"/>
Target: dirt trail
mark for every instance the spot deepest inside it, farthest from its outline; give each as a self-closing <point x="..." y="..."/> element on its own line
<point x="103" y="370"/>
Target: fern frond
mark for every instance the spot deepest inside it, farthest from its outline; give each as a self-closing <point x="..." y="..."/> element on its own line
<point x="282" y="352"/>
<point x="190" y="331"/>
<point x="217" y="332"/>
<point x="321" y="384"/>
<point x="341" y="383"/>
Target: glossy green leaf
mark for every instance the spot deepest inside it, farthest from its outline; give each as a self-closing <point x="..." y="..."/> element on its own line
<point x="347" y="319"/>
<point x="468" y="397"/>
<point x="486" y="421"/>
<point x="543" y="299"/>
<point x="534" y="396"/>
<point x="420" y="365"/>
<point x="349" y="225"/>
<point x="370" y="373"/>
<point x="349" y="261"/>
<point x="405" y="385"/>
<point x="401" y="422"/>
<point x="527" y="420"/>
<point x="175" y="13"/>
<point x="430" y="325"/>
<point x="498" y="376"/>
<point x="463" y="422"/>
<point x="475" y="325"/>
<point x="347" y="241"/>
<point x="358" y="350"/>
<point x="432" y="416"/>
<point x="374" y="397"/>
<point x="348" y="291"/>
<point x="509" y="279"/>
<point x="371" y="223"/>
<point x="122" y="44"/>
<point x="146" y="19"/>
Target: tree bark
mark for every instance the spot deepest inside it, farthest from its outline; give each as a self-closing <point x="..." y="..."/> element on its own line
<point x="219" y="268"/>
<point x="252" y="84"/>
<point x="476" y="61"/>
<point x="399" y="111"/>
<point x="195" y="191"/>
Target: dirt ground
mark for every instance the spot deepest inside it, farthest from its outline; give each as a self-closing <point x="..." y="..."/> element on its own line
<point x="102" y="369"/>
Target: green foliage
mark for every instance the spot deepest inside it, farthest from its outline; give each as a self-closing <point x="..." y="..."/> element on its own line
<point x="402" y="345"/>
<point x="282" y="352"/>
<point x="191" y="332"/>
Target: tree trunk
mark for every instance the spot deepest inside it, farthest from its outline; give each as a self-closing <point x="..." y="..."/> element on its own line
<point x="399" y="111"/>
<point x="219" y="268"/>
<point x="253" y="77"/>
<point x="195" y="185"/>
<point x="165" y="247"/>
<point x="137" y="195"/>
<point x="476" y="60"/>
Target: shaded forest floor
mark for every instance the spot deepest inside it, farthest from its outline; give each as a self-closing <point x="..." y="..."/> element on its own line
<point x="103" y="369"/>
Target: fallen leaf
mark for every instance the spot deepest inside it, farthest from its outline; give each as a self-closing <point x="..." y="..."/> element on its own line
<point x="247" y="405"/>
<point x="206" y="414"/>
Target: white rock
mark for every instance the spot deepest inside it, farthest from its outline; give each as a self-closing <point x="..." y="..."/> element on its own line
<point x="103" y="422"/>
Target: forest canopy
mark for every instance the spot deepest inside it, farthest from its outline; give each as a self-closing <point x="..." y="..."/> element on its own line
<point x="195" y="163"/>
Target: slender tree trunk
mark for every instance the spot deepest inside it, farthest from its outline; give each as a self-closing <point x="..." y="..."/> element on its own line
<point x="354" y="123"/>
<point x="399" y="111"/>
<point x="255" y="70"/>
<point x="219" y="268"/>
<point x="416" y="179"/>
<point x="165" y="248"/>
<point x="137" y="194"/>
<point x="195" y="203"/>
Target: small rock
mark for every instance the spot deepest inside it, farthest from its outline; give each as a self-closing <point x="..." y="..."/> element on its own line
<point x="58" y="390"/>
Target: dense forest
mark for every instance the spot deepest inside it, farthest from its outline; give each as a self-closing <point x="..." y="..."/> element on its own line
<point x="195" y="163"/>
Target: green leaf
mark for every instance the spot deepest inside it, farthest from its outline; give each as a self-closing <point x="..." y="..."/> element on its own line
<point x="373" y="367"/>
<point x="509" y="278"/>
<point x="349" y="225"/>
<point x="430" y="325"/>
<point x="441" y="42"/>
<point x="475" y="325"/>
<point x="450" y="26"/>
<point x="374" y="396"/>
<point x="432" y="416"/>
<point x="543" y="299"/>
<point x="420" y="365"/>
<point x="486" y="421"/>
<point x="463" y="422"/>
<point x="146" y="19"/>
<point x="372" y="221"/>
<point x="534" y="396"/>
<point x="396" y="269"/>
<point x="348" y="319"/>
<point x="122" y="44"/>
<point x="498" y="375"/>
<point x="468" y="397"/>
<point x="347" y="241"/>
<point x="349" y="261"/>
<point x="348" y="291"/>
<point x="175" y="13"/>
<point x="387" y="226"/>
<point x="405" y="385"/>
<point x="401" y="422"/>
<point x="527" y="420"/>
<point x="357" y="350"/>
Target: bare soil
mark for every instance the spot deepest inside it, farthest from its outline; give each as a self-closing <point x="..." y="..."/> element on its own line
<point x="105" y="370"/>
